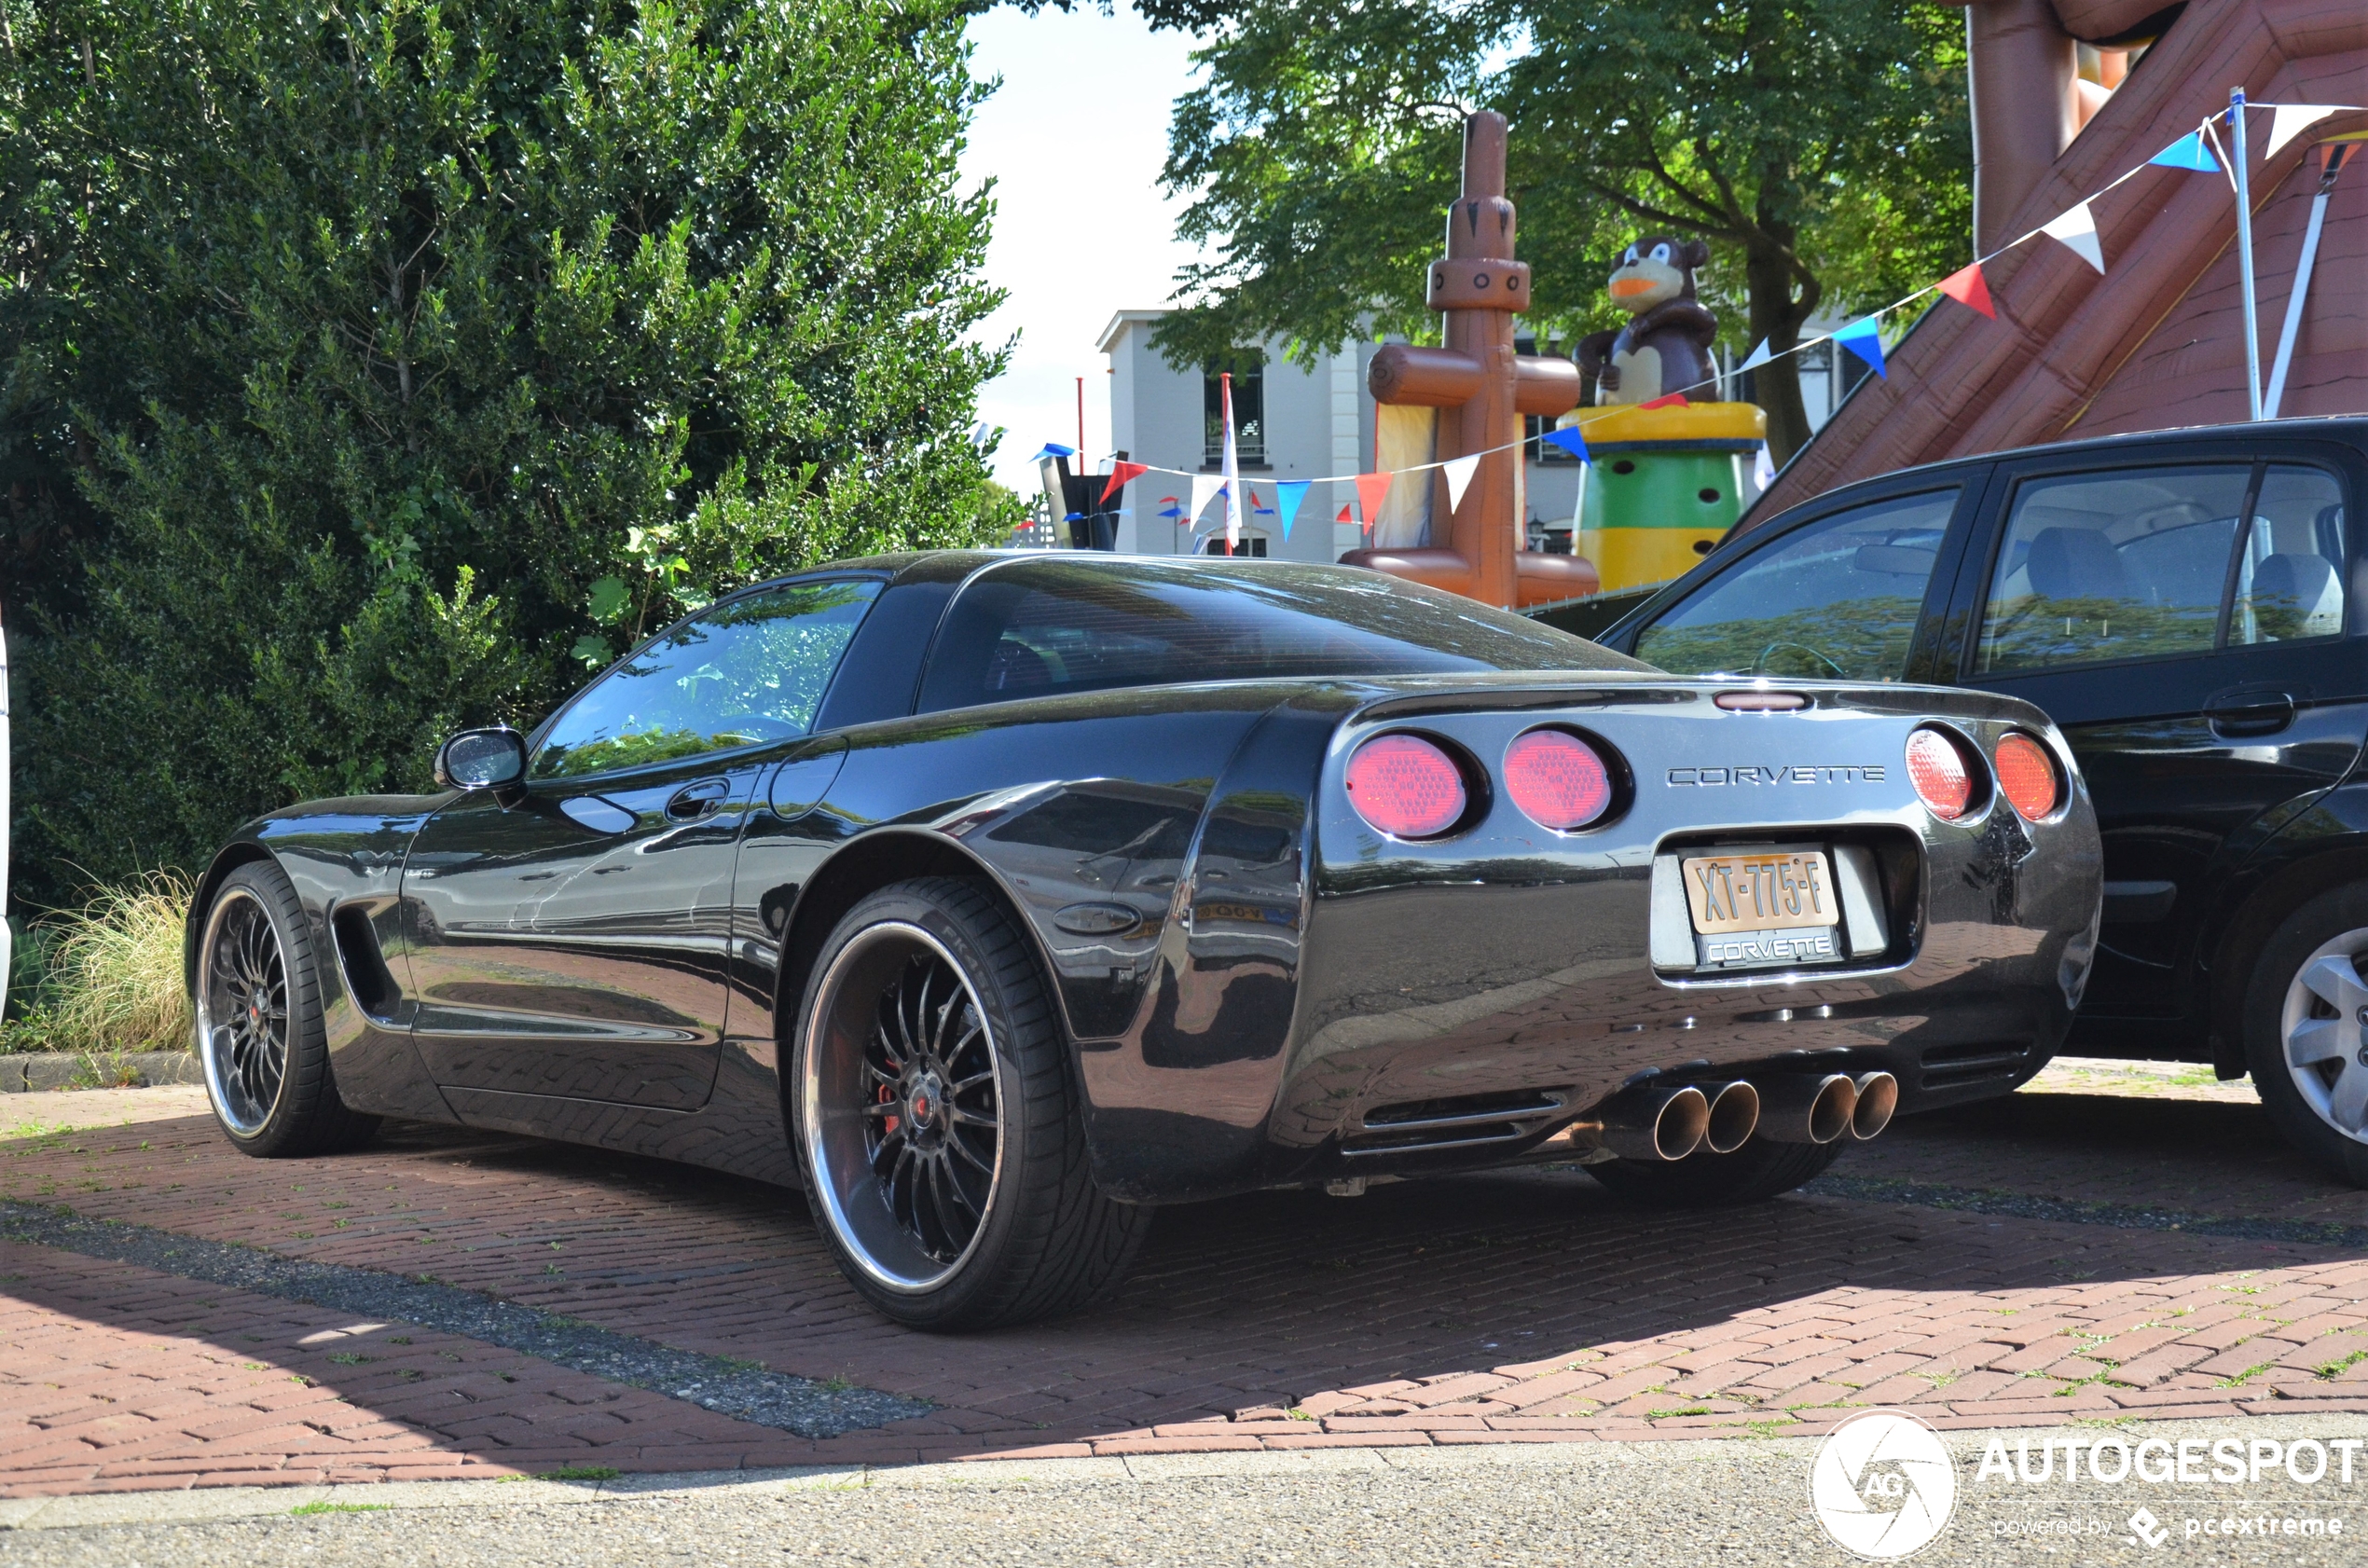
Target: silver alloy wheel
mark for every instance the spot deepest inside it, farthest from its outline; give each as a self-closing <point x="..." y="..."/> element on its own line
<point x="242" y="1011"/>
<point x="2320" y="1028"/>
<point x="901" y="1106"/>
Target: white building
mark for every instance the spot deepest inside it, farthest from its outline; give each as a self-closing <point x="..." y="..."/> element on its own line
<point x="1294" y="422"/>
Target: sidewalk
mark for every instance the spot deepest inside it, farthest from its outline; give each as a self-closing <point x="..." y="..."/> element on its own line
<point x="1517" y="1307"/>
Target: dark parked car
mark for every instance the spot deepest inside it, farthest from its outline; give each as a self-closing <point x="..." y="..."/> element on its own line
<point x="995" y="898"/>
<point x="2187" y="605"/>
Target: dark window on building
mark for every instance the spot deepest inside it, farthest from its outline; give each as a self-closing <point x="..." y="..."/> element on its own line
<point x="1247" y="367"/>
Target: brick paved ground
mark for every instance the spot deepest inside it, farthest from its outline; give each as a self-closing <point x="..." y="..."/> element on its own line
<point x="1507" y="1308"/>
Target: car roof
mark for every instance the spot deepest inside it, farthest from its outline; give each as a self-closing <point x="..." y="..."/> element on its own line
<point x="2349" y="428"/>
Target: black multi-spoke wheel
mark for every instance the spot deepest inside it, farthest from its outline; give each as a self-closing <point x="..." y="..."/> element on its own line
<point x="944" y="1150"/>
<point x="934" y="1141"/>
<point x="259" y="1002"/>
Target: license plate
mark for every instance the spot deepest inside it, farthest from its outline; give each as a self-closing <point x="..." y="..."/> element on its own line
<point x="1755" y="910"/>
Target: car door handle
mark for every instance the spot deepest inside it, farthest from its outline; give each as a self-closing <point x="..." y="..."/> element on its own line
<point x="2247" y="713"/>
<point x="695" y="801"/>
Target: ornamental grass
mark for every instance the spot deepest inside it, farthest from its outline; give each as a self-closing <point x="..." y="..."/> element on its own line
<point x="114" y="969"/>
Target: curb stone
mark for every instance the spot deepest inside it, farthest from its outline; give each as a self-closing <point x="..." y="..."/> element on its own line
<point x="730" y="1486"/>
<point x="41" y="1071"/>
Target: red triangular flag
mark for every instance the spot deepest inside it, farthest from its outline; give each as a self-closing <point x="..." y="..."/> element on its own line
<point x="1371" y="490"/>
<point x="1120" y="474"/>
<point x="1967" y="286"/>
<point x="1675" y="400"/>
<point x="1345" y="517"/>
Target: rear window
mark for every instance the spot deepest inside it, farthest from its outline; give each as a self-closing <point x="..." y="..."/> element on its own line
<point x="1038" y="627"/>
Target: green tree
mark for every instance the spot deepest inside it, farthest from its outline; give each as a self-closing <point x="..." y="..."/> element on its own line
<point x="371" y="366"/>
<point x="1821" y="146"/>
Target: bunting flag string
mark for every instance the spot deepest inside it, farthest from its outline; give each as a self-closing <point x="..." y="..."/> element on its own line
<point x="1968" y="287"/>
<point x="2199" y="151"/>
<point x="1459" y="472"/>
<point x="1865" y="338"/>
<point x="1288" y="496"/>
<point x="2188" y="152"/>
<point x="1120" y="474"/>
<point x="2076" y="228"/>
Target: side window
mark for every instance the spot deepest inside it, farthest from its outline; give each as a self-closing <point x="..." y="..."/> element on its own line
<point x="750" y="669"/>
<point x="2119" y="564"/>
<point x="1839" y="598"/>
<point x="2290" y="582"/>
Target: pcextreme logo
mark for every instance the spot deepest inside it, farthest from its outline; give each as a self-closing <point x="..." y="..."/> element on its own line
<point x="1882" y="1485"/>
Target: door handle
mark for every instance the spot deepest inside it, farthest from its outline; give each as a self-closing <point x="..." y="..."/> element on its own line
<point x="695" y="801"/>
<point x="2248" y="713"/>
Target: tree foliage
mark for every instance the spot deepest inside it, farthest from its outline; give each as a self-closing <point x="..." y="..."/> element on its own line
<point x="1821" y="146"/>
<point x="369" y="366"/>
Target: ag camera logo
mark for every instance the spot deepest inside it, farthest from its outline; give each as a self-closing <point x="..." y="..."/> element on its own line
<point x="1882" y="1485"/>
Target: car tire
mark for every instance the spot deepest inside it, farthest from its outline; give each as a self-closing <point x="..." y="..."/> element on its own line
<point x="260" y="1036"/>
<point x="2304" y="999"/>
<point x="940" y="1126"/>
<point x="1759" y="1170"/>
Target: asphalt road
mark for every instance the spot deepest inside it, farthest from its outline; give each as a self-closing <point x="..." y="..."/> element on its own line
<point x="1733" y="1503"/>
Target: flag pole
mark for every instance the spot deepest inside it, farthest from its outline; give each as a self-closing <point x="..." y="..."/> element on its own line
<point x="2245" y="249"/>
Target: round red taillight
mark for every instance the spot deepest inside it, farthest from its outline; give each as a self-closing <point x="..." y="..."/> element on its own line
<point x="1557" y="779"/>
<point x="2025" y="776"/>
<point x="1938" y="769"/>
<point x="1406" y="787"/>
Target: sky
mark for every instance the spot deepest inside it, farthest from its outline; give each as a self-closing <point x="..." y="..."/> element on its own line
<point x="1074" y="141"/>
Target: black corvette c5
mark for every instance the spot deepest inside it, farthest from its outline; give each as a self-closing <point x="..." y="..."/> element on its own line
<point x="997" y="897"/>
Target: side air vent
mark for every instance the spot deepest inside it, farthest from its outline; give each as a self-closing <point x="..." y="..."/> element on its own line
<point x="1463" y="1121"/>
<point x="1955" y="1067"/>
<point x="367" y="975"/>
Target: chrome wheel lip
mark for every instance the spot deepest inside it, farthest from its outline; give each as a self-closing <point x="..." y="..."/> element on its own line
<point x="2320" y="1039"/>
<point x="838" y="1192"/>
<point x="222" y="1085"/>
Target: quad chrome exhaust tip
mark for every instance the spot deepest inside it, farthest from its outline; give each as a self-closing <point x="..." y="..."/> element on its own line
<point x="1654" y="1122"/>
<point x="1810" y="1108"/>
<point x="1734" y="1116"/>
<point x="1878" y="1099"/>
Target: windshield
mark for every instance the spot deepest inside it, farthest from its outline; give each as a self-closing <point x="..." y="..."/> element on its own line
<point x="1042" y="626"/>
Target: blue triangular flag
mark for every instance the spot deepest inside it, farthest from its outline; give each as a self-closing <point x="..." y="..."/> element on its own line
<point x="1757" y="357"/>
<point x="1053" y="449"/>
<point x="1569" y="440"/>
<point x="2188" y="152"/>
<point x="1865" y="338"/>
<point x="1287" y="495"/>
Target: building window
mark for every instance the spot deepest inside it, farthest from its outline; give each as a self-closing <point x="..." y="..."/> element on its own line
<point x="1248" y="369"/>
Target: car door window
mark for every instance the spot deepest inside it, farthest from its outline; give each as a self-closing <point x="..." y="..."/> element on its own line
<point x="1837" y="598"/>
<point x="751" y="669"/>
<point x="2289" y="579"/>
<point x="2127" y="564"/>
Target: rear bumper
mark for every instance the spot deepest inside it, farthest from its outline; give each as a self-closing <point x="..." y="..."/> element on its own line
<point x="1513" y="969"/>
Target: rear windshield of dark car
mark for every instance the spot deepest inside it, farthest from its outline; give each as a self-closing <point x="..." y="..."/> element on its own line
<point x="1037" y="628"/>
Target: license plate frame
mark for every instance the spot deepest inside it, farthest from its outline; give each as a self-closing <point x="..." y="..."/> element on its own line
<point x="1765" y="906"/>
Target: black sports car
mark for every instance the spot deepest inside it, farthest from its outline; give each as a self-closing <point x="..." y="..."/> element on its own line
<point x="996" y="898"/>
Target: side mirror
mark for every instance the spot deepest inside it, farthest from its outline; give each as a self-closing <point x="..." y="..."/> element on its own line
<point x="481" y="760"/>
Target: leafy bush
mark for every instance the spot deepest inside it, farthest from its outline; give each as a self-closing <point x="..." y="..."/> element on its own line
<point x="370" y="370"/>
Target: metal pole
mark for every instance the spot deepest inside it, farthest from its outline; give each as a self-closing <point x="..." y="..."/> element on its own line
<point x="2286" y="335"/>
<point x="2245" y="249"/>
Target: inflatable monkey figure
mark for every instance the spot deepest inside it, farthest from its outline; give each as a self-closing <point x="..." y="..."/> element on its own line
<point x="1665" y="347"/>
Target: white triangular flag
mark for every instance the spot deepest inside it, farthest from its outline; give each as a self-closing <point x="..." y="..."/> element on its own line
<point x="2292" y="119"/>
<point x="1757" y="357"/>
<point x="1459" y="472"/>
<point x="1204" y="488"/>
<point x="2077" y="229"/>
